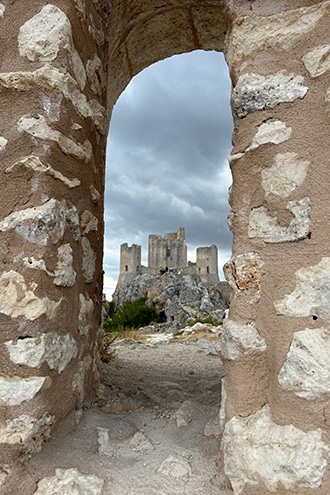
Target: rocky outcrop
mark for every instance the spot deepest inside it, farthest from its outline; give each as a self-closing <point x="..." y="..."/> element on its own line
<point x="179" y="298"/>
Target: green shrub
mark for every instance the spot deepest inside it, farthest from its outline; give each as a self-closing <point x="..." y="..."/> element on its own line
<point x="131" y="314"/>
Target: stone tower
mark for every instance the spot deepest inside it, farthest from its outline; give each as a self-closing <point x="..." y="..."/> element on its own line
<point x="207" y="264"/>
<point x="168" y="252"/>
<point x="130" y="262"/>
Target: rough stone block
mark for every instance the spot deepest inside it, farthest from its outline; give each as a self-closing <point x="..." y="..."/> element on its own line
<point x="257" y="450"/>
<point x="306" y="369"/>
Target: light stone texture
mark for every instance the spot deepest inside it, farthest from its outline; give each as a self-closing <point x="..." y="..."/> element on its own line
<point x="267" y="227"/>
<point x="16" y="299"/>
<point x="306" y="370"/>
<point x="312" y="293"/>
<point x="41" y="38"/>
<point x="175" y="466"/>
<point x="14" y="390"/>
<point x="255" y="92"/>
<point x="95" y="194"/>
<point x="88" y="222"/>
<point x="239" y="340"/>
<point x="317" y="61"/>
<point x="95" y="75"/>
<point x="3" y="143"/>
<point x="27" y="431"/>
<point x="54" y="349"/>
<point x="272" y="131"/>
<point x="2" y="10"/>
<point x="38" y="128"/>
<point x="72" y="221"/>
<point x="254" y="34"/>
<point x="287" y="173"/>
<point x="85" y="313"/>
<point x="39" y="224"/>
<point x="89" y="259"/>
<point x="34" y="163"/>
<point x="64" y="274"/>
<point x="70" y="482"/>
<point x="222" y="411"/>
<point x="257" y="450"/>
<point x="50" y="78"/>
<point x="243" y="273"/>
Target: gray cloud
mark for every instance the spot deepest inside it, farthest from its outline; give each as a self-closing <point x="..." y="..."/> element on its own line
<point x="167" y="167"/>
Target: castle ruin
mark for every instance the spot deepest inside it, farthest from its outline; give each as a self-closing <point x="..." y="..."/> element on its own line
<point x="63" y="66"/>
<point x="168" y="253"/>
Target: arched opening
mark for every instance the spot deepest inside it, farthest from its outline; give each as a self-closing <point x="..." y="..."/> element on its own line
<point x="170" y="136"/>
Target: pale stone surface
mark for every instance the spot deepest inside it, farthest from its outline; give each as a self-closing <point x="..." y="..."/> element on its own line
<point x="317" y="61"/>
<point x="14" y="390"/>
<point x="27" y="431"/>
<point x="267" y="227"/>
<point x="312" y="293"/>
<point x="240" y="340"/>
<point x="287" y="173"/>
<point x="3" y="143"/>
<point x="34" y="163"/>
<point x="64" y="274"/>
<point x="88" y="222"/>
<point x="95" y="194"/>
<point x="306" y="369"/>
<point x="89" y="259"/>
<point x="176" y="466"/>
<point x="222" y="411"/>
<point x="17" y="300"/>
<point x="255" y="92"/>
<point x="85" y="313"/>
<point x="38" y="128"/>
<point x="272" y="131"/>
<point x="257" y="450"/>
<point x="243" y="272"/>
<point x="39" y="224"/>
<point x="42" y="36"/>
<point x="96" y="75"/>
<point x="50" y="78"/>
<point x="72" y="221"/>
<point x="54" y="349"/>
<point x="2" y="10"/>
<point x="70" y="482"/>
<point x="253" y="34"/>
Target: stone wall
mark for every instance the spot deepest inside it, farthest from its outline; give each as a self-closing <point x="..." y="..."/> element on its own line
<point x="57" y="61"/>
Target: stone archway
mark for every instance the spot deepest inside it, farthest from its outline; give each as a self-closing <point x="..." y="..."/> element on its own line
<point x="63" y="65"/>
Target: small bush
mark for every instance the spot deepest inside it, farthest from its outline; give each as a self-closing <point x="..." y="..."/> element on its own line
<point x="204" y="319"/>
<point x="131" y="314"/>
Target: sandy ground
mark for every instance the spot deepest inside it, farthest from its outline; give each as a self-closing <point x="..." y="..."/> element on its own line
<point x="155" y="428"/>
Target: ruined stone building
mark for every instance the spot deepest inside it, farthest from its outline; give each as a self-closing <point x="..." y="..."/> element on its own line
<point x="63" y="66"/>
<point x="168" y="253"/>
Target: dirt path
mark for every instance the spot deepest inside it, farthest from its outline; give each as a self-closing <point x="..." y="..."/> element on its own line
<point x="155" y="431"/>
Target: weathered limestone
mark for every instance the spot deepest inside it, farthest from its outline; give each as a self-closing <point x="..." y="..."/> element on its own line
<point x="306" y="369"/>
<point x="260" y="451"/>
<point x="311" y="295"/>
<point x="317" y="61"/>
<point x="243" y="273"/>
<point x="287" y="173"/>
<point x="56" y="350"/>
<point x="28" y="432"/>
<point x="15" y="390"/>
<point x="254" y="92"/>
<point x="237" y="339"/>
<point x="17" y="300"/>
<point x="67" y="481"/>
<point x="262" y="224"/>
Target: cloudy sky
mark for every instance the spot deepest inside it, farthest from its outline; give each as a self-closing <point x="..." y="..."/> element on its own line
<point x="167" y="167"/>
